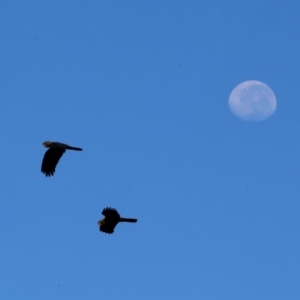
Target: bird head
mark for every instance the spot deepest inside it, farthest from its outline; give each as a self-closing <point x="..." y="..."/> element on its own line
<point x="47" y="144"/>
<point x="101" y="222"/>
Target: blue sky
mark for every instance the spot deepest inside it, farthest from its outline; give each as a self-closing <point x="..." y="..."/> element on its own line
<point x="143" y="87"/>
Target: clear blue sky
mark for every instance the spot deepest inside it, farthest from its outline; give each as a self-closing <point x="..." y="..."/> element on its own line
<point x="143" y="87"/>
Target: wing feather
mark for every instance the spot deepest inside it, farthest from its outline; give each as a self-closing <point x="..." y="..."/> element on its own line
<point x="50" y="160"/>
<point x="107" y="229"/>
<point x="109" y="212"/>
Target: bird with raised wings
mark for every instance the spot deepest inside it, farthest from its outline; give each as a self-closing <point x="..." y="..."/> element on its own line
<point x="53" y="155"/>
<point x="112" y="218"/>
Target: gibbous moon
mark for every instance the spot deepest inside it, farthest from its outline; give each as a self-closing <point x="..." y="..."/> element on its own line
<point x="252" y="101"/>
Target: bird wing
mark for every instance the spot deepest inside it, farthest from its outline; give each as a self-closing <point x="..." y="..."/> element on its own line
<point x="109" y="212"/>
<point x="107" y="228"/>
<point x="50" y="160"/>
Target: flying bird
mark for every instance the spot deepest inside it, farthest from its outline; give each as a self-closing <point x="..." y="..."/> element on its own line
<point x="53" y="155"/>
<point x="112" y="218"/>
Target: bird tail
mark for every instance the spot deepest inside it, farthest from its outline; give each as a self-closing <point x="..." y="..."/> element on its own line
<point x="128" y="220"/>
<point x="73" y="148"/>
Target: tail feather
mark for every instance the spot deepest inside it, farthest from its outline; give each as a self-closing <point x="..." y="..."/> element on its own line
<point x="73" y="148"/>
<point x="128" y="220"/>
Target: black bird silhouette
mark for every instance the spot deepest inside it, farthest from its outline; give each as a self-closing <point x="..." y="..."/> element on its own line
<point x="112" y="218"/>
<point x="52" y="156"/>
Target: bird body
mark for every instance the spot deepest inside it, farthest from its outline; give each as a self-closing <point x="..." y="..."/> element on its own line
<point x="53" y="155"/>
<point x="60" y="146"/>
<point x="112" y="218"/>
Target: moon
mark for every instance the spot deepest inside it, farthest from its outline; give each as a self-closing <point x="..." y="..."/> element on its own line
<point x="252" y="100"/>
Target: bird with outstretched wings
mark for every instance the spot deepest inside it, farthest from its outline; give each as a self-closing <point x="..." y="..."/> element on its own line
<point x="112" y="218"/>
<point x="53" y="155"/>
